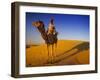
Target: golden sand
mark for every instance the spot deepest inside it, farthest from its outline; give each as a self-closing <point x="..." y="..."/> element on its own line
<point x="68" y="52"/>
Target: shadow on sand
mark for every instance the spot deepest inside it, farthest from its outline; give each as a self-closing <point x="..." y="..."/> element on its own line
<point x="80" y="47"/>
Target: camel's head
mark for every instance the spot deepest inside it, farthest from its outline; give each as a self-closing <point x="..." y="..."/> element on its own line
<point x="38" y="24"/>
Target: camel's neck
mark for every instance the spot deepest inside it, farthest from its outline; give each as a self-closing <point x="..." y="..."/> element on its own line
<point x="43" y="32"/>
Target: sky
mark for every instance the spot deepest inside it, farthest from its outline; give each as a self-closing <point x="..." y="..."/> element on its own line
<point x="68" y="26"/>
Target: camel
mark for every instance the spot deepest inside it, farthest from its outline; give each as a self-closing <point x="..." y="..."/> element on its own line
<point x="49" y="36"/>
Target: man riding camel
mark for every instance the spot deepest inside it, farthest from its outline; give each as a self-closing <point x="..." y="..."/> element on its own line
<point x="51" y="29"/>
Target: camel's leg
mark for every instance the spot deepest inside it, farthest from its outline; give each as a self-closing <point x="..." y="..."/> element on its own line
<point x="52" y="53"/>
<point x="48" y="49"/>
<point x="55" y="46"/>
<point x="48" y="52"/>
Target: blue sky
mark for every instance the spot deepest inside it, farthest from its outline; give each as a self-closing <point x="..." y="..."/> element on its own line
<point x="69" y="26"/>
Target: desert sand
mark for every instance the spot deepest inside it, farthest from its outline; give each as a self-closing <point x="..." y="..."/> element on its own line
<point x="68" y="52"/>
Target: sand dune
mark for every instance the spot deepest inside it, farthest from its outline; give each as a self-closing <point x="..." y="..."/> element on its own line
<point x="68" y="52"/>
